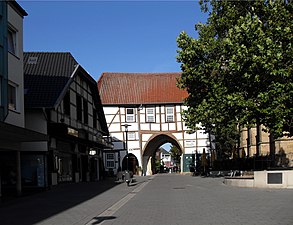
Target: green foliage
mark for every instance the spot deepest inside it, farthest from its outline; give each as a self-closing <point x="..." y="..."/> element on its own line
<point x="175" y="153"/>
<point x="239" y="70"/>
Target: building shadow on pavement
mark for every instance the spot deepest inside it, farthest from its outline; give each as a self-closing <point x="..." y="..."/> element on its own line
<point x="32" y="209"/>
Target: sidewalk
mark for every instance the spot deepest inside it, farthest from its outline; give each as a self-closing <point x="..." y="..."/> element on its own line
<point x="66" y="204"/>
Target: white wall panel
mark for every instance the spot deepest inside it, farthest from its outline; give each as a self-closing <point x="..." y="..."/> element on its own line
<point x="133" y="144"/>
<point x="172" y="126"/>
<point x="179" y="136"/>
<point x="114" y="128"/>
<point x="155" y="126"/>
<point x="110" y="110"/>
<point x="145" y="126"/>
<point x="165" y="127"/>
<point x="146" y="137"/>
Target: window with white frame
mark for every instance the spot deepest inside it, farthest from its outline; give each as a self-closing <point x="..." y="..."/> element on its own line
<point x="150" y="115"/>
<point x="131" y="136"/>
<point x="169" y="114"/>
<point x="11" y="39"/>
<point x="12" y="93"/>
<point x="110" y="160"/>
<point x="130" y="115"/>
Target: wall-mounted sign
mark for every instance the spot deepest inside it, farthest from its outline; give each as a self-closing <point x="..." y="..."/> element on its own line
<point x="72" y="132"/>
<point x="190" y="143"/>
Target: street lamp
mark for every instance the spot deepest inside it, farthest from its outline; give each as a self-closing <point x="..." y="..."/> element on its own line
<point x="126" y="143"/>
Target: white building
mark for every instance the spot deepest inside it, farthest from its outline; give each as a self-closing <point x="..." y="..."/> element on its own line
<point x="13" y="130"/>
<point x="151" y="104"/>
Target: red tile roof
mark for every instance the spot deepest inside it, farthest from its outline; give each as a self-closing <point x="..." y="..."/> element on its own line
<point x="140" y="88"/>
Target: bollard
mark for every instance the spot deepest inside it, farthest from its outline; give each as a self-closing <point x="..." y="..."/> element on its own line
<point x="127" y="177"/>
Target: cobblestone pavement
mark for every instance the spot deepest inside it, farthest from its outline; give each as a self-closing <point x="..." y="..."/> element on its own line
<point x="175" y="199"/>
<point x="156" y="200"/>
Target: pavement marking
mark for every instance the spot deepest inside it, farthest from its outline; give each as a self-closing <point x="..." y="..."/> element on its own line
<point x="108" y="213"/>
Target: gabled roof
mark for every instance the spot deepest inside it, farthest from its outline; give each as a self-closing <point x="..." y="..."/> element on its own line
<point x="164" y="151"/>
<point x="17" y="8"/>
<point x="140" y="88"/>
<point x="45" y="76"/>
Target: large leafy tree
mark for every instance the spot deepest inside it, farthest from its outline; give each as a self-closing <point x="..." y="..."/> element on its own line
<point x="239" y="70"/>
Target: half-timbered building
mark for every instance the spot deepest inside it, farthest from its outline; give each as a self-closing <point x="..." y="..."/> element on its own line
<point x="62" y="100"/>
<point x="143" y="112"/>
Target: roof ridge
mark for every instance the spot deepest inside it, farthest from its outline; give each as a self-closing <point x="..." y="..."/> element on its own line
<point x="138" y="73"/>
<point x="46" y="52"/>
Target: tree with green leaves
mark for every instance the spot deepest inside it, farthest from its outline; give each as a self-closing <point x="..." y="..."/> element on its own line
<point x="175" y="153"/>
<point x="239" y="71"/>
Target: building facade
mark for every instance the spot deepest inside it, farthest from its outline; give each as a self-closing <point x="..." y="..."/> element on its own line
<point x="150" y="106"/>
<point x="13" y="132"/>
<point x="62" y="101"/>
<point x="256" y="142"/>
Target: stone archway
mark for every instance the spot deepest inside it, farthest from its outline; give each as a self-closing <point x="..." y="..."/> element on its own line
<point x="132" y="163"/>
<point x="152" y="146"/>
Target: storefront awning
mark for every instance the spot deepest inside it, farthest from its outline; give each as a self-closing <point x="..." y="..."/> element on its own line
<point x="9" y="132"/>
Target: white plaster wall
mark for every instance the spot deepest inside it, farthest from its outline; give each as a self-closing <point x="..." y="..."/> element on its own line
<point x="145" y="126"/>
<point x="146" y="137"/>
<point x="165" y="127"/>
<point x="155" y="127"/>
<point x="110" y="110"/>
<point x="178" y="136"/>
<point x="114" y="127"/>
<point x="133" y="144"/>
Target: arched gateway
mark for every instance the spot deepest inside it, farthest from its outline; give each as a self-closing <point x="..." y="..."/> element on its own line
<point x="151" y="106"/>
<point x="151" y="148"/>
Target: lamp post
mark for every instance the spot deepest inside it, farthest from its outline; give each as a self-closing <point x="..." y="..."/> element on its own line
<point x="126" y="142"/>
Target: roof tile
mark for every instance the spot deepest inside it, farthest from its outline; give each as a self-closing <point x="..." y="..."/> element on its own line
<point x="140" y="88"/>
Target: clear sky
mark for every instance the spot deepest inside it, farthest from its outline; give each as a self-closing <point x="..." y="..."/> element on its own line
<point x="111" y="36"/>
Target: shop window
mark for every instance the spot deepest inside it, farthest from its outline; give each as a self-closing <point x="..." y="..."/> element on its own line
<point x="33" y="170"/>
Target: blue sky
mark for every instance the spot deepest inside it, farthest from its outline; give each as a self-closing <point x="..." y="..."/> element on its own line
<point x="111" y="36"/>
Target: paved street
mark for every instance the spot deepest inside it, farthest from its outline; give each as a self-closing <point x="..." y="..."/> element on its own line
<point x="161" y="199"/>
